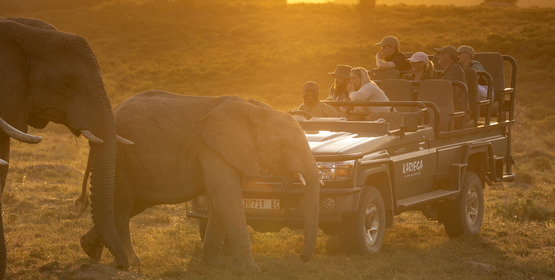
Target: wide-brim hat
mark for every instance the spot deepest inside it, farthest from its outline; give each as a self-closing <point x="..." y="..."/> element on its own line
<point x="450" y="50"/>
<point x="389" y="41"/>
<point x="343" y="71"/>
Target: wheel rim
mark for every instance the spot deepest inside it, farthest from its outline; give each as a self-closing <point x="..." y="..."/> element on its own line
<point x="371" y="224"/>
<point x="472" y="206"/>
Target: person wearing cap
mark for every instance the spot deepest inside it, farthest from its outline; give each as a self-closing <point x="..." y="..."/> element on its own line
<point x="390" y="57"/>
<point x="448" y="59"/>
<point x="338" y="91"/>
<point x="422" y="68"/>
<point x="466" y="60"/>
<point x="312" y="104"/>
<point x="362" y="89"/>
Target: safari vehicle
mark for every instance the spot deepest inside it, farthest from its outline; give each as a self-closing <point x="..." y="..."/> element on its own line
<point x="377" y="166"/>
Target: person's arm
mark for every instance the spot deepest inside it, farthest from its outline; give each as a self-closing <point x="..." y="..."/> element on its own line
<point x="383" y="65"/>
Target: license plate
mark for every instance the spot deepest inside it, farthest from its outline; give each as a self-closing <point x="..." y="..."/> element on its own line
<point x="257" y="203"/>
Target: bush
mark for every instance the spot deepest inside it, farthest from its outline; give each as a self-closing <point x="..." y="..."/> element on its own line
<point x="523" y="210"/>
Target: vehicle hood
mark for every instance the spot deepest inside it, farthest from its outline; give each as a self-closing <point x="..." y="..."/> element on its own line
<point x="332" y="143"/>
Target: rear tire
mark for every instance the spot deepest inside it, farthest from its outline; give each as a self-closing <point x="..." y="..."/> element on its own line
<point x="363" y="232"/>
<point x="464" y="215"/>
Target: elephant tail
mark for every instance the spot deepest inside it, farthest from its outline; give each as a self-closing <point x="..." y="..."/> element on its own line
<point x="82" y="202"/>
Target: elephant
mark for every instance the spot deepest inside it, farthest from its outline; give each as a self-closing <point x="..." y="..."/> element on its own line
<point x="189" y="145"/>
<point x="6" y="130"/>
<point x="52" y="76"/>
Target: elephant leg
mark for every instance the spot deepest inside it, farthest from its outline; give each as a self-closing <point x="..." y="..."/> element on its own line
<point x="213" y="238"/>
<point x="222" y="184"/>
<point x="124" y="202"/>
<point x="92" y="244"/>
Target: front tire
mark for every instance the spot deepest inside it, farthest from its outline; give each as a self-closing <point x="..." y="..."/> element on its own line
<point x="464" y="215"/>
<point x="363" y="232"/>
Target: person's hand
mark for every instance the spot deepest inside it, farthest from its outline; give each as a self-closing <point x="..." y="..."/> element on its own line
<point x="379" y="55"/>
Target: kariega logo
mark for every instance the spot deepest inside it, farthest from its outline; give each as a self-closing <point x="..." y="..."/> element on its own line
<point x="413" y="168"/>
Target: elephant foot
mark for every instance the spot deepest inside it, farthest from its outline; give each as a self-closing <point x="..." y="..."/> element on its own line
<point x="248" y="267"/>
<point x="92" y="245"/>
<point x="213" y="261"/>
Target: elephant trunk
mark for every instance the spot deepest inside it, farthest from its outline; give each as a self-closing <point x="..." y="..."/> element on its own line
<point x="102" y="165"/>
<point x="311" y="205"/>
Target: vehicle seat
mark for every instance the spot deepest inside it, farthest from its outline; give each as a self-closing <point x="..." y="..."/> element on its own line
<point x="378" y="75"/>
<point x="398" y="90"/>
<point x="440" y="92"/>
<point x="493" y="64"/>
<point x="476" y="104"/>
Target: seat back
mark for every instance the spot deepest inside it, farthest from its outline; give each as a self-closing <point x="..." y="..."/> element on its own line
<point x="377" y="74"/>
<point x="493" y="64"/>
<point x="398" y="90"/>
<point x="472" y="85"/>
<point x="439" y="92"/>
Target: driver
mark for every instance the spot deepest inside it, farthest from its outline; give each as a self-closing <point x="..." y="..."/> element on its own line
<point x="312" y="104"/>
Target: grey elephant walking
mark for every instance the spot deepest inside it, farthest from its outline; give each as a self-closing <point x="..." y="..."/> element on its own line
<point x="189" y="145"/>
<point x="51" y="76"/>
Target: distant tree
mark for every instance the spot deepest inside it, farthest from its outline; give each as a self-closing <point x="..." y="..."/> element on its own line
<point x="503" y="2"/>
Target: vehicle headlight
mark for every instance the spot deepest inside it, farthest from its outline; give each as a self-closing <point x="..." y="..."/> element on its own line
<point x="336" y="170"/>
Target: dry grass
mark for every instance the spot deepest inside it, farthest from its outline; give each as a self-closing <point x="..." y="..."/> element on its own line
<point x="267" y="52"/>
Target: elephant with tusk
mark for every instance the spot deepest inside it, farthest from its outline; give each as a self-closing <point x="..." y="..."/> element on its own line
<point x="189" y="145"/>
<point x="47" y="75"/>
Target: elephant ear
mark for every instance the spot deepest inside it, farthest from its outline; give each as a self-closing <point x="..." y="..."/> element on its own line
<point x="228" y="130"/>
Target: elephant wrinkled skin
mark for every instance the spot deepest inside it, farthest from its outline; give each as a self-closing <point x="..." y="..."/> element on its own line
<point x="48" y="75"/>
<point x="189" y="145"/>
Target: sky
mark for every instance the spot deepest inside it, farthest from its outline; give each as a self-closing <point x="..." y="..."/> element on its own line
<point x="521" y="3"/>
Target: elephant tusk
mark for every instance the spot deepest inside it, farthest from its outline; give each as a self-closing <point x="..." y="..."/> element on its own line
<point x="18" y="135"/>
<point x="3" y="162"/>
<point x="124" y="141"/>
<point x="301" y="178"/>
<point x="91" y="137"/>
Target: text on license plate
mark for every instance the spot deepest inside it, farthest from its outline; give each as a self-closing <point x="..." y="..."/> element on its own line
<point x="257" y="203"/>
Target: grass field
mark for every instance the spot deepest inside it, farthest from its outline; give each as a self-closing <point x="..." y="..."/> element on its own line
<point x="267" y="52"/>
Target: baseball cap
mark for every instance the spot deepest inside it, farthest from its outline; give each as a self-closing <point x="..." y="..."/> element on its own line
<point x="450" y="50"/>
<point x="466" y="49"/>
<point x="419" y="57"/>
<point x="389" y="41"/>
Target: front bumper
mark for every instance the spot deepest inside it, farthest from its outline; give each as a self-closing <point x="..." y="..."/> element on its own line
<point x="336" y="198"/>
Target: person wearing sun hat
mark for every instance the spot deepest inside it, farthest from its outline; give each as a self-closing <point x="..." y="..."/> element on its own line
<point x="389" y="57"/>
<point x="422" y="68"/>
<point x="312" y="104"/>
<point x="338" y="90"/>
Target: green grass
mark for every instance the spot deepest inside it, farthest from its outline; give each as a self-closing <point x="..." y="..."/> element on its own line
<point x="267" y="51"/>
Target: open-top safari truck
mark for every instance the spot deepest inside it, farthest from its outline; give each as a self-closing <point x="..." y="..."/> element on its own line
<point x="423" y="156"/>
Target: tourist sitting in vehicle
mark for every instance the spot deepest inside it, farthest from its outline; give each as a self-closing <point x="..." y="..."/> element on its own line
<point x="389" y="57"/>
<point x="422" y="68"/>
<point x="360" y="88"/>
<point x="466" y="60"/>
<point x="312" y="104"/>
<point x="338" y="90"/>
